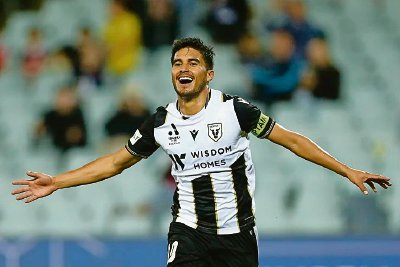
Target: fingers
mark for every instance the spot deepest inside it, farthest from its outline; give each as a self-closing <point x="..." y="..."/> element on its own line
<point x="377" y="177"/>
<point x="33" y="174"/>
<point x="363" y="189"/>
<point x="31" y="198"/>
<point x="371" y="184"/>
<point x="23" y="196"/>
<point x="383" y="182"/>
<point x="26" y="195"/>
<point x="372" y="179"/>
<point x="21" y="182"/>
<point x="20" y="190"/>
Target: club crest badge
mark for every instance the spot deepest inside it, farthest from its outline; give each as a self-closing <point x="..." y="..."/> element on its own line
<point x="215" y="131"/>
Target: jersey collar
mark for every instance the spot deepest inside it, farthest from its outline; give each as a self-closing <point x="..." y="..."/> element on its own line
<point x="185" y="117"/>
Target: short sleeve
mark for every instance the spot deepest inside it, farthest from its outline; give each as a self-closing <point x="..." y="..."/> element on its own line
<point x="251" y="119"/>
<point x="143" y="143"/>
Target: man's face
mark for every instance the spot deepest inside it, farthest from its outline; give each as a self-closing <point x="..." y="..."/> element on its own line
<point x="281" y="46"/>
<point x="189" y="73"/>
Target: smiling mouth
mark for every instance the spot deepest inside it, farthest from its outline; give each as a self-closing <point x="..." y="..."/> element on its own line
<point x="185" y="80"/>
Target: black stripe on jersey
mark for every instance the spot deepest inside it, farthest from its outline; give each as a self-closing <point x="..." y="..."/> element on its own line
<point x="204" y="201"/>
<point x="176" y="205"/>
<point x="245" y="214"/>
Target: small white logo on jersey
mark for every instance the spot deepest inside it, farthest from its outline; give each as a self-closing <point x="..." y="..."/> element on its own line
<point x="215" y="131"/>
<point x="135" y="137"/>
<point x="172" y="251"/>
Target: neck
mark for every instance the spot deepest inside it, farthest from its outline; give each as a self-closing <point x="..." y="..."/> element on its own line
<point x="193" y="105"/>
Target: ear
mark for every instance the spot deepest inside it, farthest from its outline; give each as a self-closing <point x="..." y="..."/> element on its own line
<point x="210" y="75"/>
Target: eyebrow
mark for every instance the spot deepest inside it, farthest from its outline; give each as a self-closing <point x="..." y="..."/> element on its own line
<point x="194" y="59"/>
<point x="190" y="59"/>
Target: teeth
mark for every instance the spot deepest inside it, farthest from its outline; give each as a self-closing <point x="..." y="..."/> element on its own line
<point x="185" y="79"/>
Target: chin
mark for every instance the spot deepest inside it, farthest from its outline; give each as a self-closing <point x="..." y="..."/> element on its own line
<point x="189" y="91"/>
<point x="184" y="90"/>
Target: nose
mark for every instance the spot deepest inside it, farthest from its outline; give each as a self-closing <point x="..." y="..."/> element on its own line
<point x="184" y="67"/>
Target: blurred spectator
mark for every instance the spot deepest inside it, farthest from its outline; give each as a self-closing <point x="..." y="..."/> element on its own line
<point x="67" y="59"/>
<point x="322" y="77"/>
<point x="30" y="4"/>
<point x="275" y="13"/>
<point x="4" y="13"/>
<point x="91" y="57"/>
<point x="34" y="55"/>
<point x="64" y="122"/>
<point x="137" y="6"/>
<point x="298" y="25"/>
<point x="131" y="113"/>
<point x="122" y="39"/>
<point x="3" y="53"/>
<point x="250" y="49"/>
<point x="160" y="25"/>
<point x="278" y="74"/>
<point x="226" y="20"/>
<point x="81" y="61"/>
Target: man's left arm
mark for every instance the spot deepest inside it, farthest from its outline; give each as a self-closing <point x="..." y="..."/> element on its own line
<point x="307" y="149"/>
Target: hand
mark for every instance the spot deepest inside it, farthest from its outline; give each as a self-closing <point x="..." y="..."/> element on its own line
<point x="359" y="178"/>
<point x="40" y="186"/>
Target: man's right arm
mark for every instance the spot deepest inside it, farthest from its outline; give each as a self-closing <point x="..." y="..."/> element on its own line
<point x="100" y="169"/>
<point x="97" y="170"/>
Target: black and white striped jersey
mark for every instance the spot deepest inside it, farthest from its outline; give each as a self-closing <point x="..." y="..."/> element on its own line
<point x="211" y="160"/>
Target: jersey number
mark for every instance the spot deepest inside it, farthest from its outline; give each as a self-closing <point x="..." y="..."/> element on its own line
<point x="172" y="251"/>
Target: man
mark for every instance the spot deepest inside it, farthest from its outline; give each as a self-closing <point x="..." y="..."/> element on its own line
<point x="276" y="76"/>
<point x="205" y="133"/>
<point x="64" y="122"/>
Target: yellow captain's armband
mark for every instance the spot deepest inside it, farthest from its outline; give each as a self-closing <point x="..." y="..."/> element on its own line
<point x="263" y="126"/>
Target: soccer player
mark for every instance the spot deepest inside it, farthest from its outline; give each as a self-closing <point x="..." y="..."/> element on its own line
<point x="205" y="133"/>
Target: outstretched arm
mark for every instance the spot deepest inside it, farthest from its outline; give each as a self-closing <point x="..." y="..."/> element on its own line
<point x="307" y="149"/>
<point x="102" y="168"/>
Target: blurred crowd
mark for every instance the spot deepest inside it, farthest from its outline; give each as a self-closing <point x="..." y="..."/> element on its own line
<point x="283" y="51"/>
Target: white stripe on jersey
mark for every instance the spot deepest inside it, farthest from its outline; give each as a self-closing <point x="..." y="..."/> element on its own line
<point x="186" y="203"/>
<point x="225" y="202"/>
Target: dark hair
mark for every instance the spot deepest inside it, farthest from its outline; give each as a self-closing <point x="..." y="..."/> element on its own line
<point x="206" y="51"/>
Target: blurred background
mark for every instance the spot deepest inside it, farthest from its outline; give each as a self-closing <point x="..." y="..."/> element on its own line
<point x="78" y="77"/>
